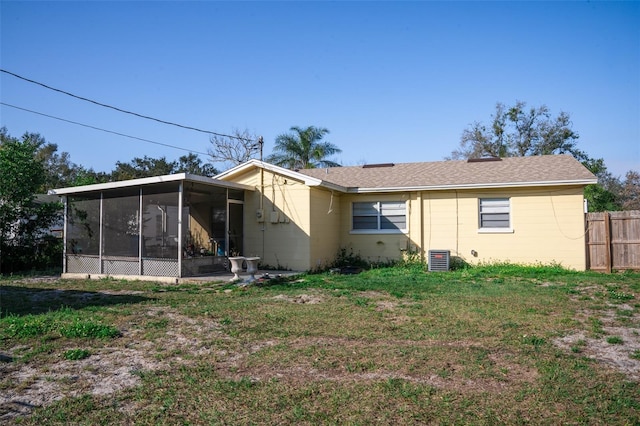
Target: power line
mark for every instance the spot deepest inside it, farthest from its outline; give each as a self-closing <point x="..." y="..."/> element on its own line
<point x="123" y="110"/>
<point x="103" y="130"/>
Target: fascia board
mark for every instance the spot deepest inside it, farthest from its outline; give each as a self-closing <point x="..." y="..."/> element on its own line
<point x="147" y="181"/>
<point x="307" y="180"/>
<point x="240" y="168"/>
<point x="332" y="186"/>
<point x="585" y="182"/>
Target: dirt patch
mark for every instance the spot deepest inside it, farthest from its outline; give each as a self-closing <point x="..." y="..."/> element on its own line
<point x="615" y="342"/>
<point x="104" y="372"/>
<point x="614" y="355"/>
<point x="40" y="279"/>
<point x="301" y="298"/>
<point x="108" y="369"/>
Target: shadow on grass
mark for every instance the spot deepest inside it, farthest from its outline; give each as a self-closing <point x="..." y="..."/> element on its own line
<point x="20" y="301"/>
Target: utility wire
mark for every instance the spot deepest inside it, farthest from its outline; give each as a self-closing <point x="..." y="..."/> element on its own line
<point x="103" y="130"/>
<point x="123" y="110"/>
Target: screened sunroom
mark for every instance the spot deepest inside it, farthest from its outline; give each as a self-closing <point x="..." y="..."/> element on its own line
<point x="166" y="226"/>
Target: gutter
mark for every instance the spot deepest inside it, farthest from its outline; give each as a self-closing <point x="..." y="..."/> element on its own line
<point x="148" y="181"/>
<point x="584" y="182"/>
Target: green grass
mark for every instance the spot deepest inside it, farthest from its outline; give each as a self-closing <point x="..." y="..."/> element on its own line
<point x="76" y="354"/>
<point x="388" y="346"/>
<point x="63" y="323"/>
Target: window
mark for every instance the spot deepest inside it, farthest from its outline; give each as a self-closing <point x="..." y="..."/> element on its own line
<point x="380" y="216"/>
<point x="495" y="214"/>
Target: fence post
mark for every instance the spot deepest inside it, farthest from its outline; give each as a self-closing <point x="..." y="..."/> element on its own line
<point x="607" y="240"/>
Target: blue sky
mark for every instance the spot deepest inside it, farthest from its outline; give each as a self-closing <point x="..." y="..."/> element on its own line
<point x="392" y="81"/>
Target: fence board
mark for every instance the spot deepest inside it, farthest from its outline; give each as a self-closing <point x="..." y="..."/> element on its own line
<point x="613" y="240"/>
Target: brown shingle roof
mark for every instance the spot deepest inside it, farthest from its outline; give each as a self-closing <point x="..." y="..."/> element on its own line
<point x="512" y="171"/>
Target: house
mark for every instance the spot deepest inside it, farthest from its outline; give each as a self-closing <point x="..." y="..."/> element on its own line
<point x="521" y="210"/>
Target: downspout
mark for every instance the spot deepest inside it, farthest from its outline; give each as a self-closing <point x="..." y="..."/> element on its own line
<point x="457" y="224"/>
<point x="261" y="142"/>
<point x="421" y="213"/>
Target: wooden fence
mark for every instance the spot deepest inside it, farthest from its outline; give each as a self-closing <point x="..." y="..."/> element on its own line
<point x="613" y="241"/>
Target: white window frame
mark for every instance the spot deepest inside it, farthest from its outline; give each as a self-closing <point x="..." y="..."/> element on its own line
<point x="378" y="206"/>
<point x="488" y="206"/>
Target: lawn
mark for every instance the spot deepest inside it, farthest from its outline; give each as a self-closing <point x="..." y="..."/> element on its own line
<point x="492" y="345"/>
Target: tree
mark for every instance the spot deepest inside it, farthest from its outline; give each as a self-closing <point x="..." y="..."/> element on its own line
<point x="60" y="171"/>
<point x="84" y="176"/>
<point x="148" y="167"/>
<point x="630" y="191"/>
<point x="143" y="167"/>
<point x="192" y="164"/>
<point x="241" y="147"/>
<point x="522" y="131"/>
<point x="603" y="196"/>
<point x="23" y="218"/>
<point x="519" y="131"/>
<point x="303" y="149"/>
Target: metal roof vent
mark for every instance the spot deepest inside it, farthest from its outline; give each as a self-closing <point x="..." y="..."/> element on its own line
<point x="483" y="159"/>
<point x="375" y="166"/>
<point x="439" y="260"/>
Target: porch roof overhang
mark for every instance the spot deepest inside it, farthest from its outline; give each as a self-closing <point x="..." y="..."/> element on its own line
<point x="184" y="177"/>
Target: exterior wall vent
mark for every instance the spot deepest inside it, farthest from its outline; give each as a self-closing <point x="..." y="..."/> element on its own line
<point x="438" y="260"/>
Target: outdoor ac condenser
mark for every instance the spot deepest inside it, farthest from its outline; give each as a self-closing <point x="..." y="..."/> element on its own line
<point x="438" y="260"/>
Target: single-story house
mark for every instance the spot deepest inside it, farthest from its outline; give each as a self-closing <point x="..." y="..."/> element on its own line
<point x="521" y="209"/>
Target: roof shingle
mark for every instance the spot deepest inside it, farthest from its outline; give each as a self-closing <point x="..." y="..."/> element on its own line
<point x="544" y="170"/>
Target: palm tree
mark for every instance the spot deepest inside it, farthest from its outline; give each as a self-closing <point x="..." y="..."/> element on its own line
<point x="303" y="149"/>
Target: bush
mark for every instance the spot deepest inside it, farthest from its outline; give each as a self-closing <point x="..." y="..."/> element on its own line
<point x="44" y="254"/>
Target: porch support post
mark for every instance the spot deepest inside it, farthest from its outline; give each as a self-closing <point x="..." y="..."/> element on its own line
<point x="64" y="235"/>
<point x="101" y="232"/>
<point x="180" y="197"/>
<point x="140" y="216"/>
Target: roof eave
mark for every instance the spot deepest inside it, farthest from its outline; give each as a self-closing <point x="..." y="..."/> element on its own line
<point x="253" y="163"/>
<point x="579" y="182"/>
<point x="331" y="186"/>
<point x="147" y="181"/>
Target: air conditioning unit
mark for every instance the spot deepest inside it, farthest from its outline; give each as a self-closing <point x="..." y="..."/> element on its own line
<point x="438" y="260"/>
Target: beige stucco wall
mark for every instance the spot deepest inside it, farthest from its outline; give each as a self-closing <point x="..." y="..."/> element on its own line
<point x="325" y="227"/>
<point x="283" y="242"/>
<point x="547" y="223"/>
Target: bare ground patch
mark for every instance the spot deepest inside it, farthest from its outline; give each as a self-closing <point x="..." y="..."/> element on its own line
<point x="616" y="341"/>
<point x="108" y="369"/>
<point x="310" y="299"/>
